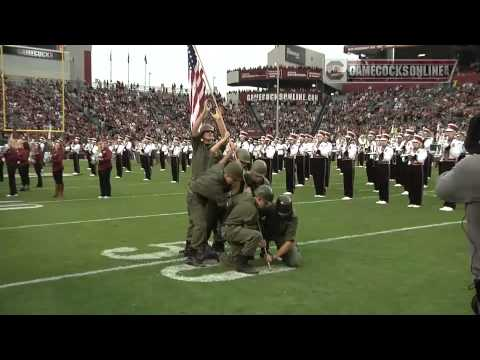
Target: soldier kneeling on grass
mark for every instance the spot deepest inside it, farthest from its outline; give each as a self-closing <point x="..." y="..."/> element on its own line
<point x="241" y="228"/>
<point x="279" y="224"/>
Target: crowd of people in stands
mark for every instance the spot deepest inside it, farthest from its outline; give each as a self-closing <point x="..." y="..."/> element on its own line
<point x="402" y="107"/>
<point x="121" y="110"/>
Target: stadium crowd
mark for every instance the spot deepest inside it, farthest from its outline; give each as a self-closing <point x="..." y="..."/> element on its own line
<point x="115" y="109"/>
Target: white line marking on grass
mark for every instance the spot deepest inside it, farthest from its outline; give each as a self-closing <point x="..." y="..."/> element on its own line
<point x="91" y="220"/>
<point x="87" y="273"/>
<point x="113" y="197"/>
<point x="127" y="267"/>
<point x="20" y="207"/>
<point x="173" y="271"/>
<point x="391" y="231"/>
<point x="152" y="215"/>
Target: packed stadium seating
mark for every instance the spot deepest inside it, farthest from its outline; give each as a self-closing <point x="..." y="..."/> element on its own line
<point x="112" y="110"/>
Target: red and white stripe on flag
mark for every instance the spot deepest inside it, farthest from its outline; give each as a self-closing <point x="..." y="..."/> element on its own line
<point x="197" y="85"/>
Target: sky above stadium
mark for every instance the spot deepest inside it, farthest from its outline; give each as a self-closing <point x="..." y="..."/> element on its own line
<point x="167" y="64"/>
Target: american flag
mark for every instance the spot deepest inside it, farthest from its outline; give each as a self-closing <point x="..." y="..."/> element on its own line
<point x="197" y="85"/>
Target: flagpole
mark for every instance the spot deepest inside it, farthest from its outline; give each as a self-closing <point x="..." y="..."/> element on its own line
<point x="110" y="66"/>
<point x="128" y="71"/>
<point x="145" y="79"/>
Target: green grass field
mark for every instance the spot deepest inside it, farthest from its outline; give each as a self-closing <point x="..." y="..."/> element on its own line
<point x="359" y="257"/>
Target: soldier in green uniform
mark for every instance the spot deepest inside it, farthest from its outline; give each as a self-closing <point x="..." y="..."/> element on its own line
<point x="241" y="227"/>
<point x="213" y="186"/>
<point x="245" y="160"/>
<point x="279" y="224"/>
<point x="256" y="176"/>
<point x="202" y="143"/>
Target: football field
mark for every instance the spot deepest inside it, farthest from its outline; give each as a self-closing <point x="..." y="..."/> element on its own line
<point x="85" y="255"/>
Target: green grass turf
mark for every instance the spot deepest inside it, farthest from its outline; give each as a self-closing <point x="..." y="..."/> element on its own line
<point x="424" y="271"/>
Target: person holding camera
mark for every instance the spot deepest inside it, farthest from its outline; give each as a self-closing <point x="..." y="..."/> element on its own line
<point x="461" y="184"/>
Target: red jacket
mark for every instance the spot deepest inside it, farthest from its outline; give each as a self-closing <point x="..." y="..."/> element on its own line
<point x="23" y="156"/>
<point x="105" y="162"/>
<point x="38" y="159"/>
<point x="11" y="157"/>
<point x="57" y="161"/>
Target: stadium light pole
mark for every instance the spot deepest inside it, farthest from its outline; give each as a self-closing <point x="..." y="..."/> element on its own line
<point x="278" y="95"/>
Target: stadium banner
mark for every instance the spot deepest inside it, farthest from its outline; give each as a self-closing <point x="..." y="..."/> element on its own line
<point x="295" y="54"/>
<point x="272" y="97"/>
<point x="356" y="48"/>
<point x="253" y="75"/>
<point x="385" y="71"/>
<point x="45" y="54"/>
<point x="284" y="74"/>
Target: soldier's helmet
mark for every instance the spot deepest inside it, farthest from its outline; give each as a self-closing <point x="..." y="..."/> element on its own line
<point x="234" y="170"/>
<point x="284" y="206"/>
<point x="259" y="167"/>
<point x="205" y="128"/>
<point x="243" y="155"/>
<point x="265" y="192"/>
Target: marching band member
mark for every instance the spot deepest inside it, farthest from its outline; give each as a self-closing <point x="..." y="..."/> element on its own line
<point x="94" y="157"/>
<point x="190" y="153"/>
<point x="348" y="159"/>
<point x="405" y="170"/>
<point x="75" y="149"/>
<point x="57" y="168"/>
<point x="329" y="146"/>
<point x="396" y="162"/>
<point x="118" y="150"/>
<point x="370" y="163"/>
<point x="375" y="160"/>
<point x="127" y="151"/>
<point x="147" y="160"/>
<point x="290" y="154"/>
<point x="427" y="165"/>
<point x="308" y="151"/>
<point x="88" y="152"/>
<point x="416" y="158"/>
<point x="37" y="161"/>
<point x="451" y="151"/>
<point x="362" y="141"/>
<point x="163" y="154"/>
<point x="175" y="150"/>
<point x="184" y="155"/>
<point x="275" y="156"/>
<point x="280" y="148"/>
<point x="11" y="160"/>
<point x="104" y="170"/>
<point x="23" y="164"/>
<point x="318" y="164"/>
<point x="300" y="161"/>
<point x="269" y="155"/>
<point x="2" y="152"/>
<point x="382" y="167"/>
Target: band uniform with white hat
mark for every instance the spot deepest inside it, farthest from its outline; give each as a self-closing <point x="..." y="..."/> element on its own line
<point x="451" y="151"/>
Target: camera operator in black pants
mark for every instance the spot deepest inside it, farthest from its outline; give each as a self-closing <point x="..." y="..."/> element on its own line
<point x="461" y="185"/>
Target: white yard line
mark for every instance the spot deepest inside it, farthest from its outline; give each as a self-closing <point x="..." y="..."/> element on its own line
<point x="153" y="263"/>
<point x="151" y="215"/>
<point x="90" y="221"/>
<point x="114" y="197"/>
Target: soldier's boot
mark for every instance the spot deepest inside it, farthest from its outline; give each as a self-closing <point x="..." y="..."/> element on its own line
<point x="219" y="246"/>
<point x="227" y="260"/>
<point x="188" y="249"/>
<point x="476" y="298"/>
<point x="243" y="266"/>
<point x="196" y="258"/>
<point x="210" y="254"/>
